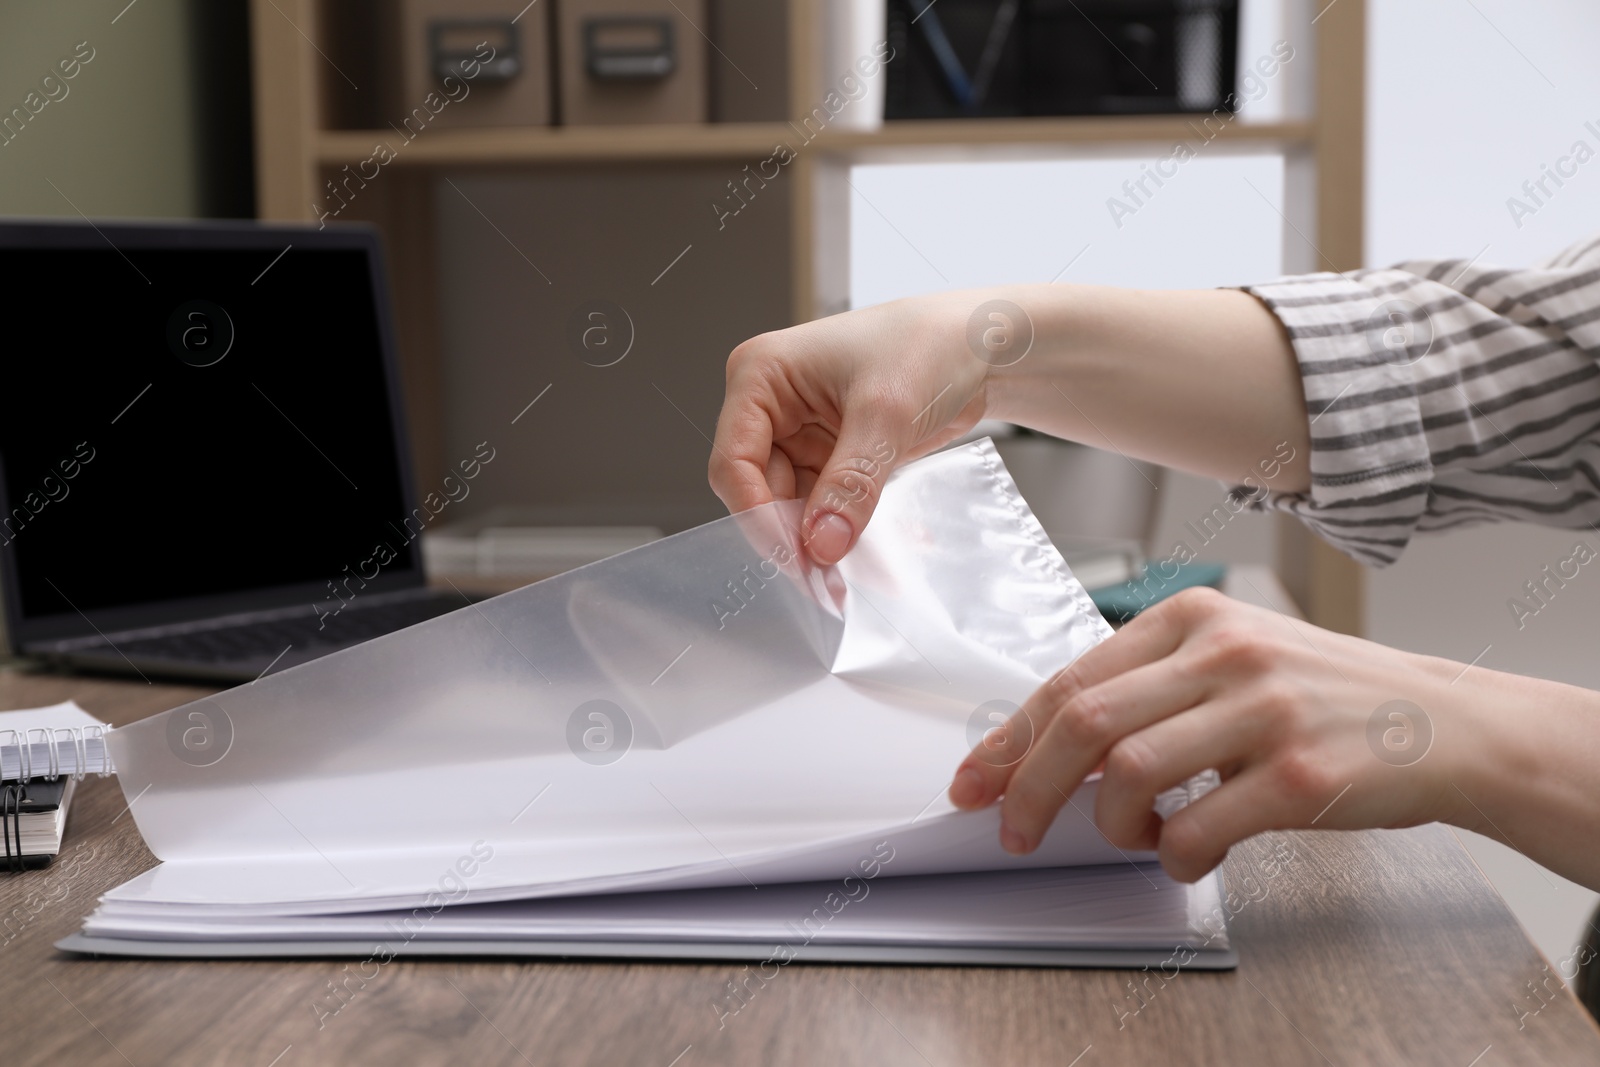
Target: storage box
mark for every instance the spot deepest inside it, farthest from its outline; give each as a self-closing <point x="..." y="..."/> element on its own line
<point x="987" y="58"/>
<point x="473" y="63"/>
<point x="755" y="35"/>
<point x="632" y="61"/>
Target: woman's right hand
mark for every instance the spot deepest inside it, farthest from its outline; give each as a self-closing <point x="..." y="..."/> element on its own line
<point x="826" y="410"/>
<point x="1204" y="381"/>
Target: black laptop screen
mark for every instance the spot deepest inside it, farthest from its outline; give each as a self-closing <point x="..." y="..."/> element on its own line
<point x="188" y="423"/>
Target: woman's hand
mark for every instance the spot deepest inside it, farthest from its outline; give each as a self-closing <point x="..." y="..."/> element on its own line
<point x="825" y="411"/>
<point x="1308" y="728"/>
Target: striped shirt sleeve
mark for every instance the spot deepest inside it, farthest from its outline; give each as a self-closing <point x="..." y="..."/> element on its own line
<point x="1444" y="394"/>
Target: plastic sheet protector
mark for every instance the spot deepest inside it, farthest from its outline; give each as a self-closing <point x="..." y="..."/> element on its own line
<point x="709" y="710"/>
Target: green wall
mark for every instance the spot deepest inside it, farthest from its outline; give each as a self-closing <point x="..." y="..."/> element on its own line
<point x="155" y="124"/>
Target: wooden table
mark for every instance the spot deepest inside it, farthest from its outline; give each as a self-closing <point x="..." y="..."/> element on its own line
<point x="1356" y="948"/>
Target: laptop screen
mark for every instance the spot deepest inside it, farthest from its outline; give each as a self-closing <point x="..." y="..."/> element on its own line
<point x="194" y="423"/>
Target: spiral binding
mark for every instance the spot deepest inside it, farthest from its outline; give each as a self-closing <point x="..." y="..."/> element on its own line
<point x="11" y="824"/>
<point x="22" y="743"/>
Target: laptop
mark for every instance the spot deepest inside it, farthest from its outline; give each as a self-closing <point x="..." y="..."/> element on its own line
<point x="204" y="465"/>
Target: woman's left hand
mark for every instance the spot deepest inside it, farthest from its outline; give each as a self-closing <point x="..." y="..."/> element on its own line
<point x="1308" y="728"/>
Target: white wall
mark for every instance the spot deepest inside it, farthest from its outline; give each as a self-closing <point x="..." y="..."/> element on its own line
<point x="918" y="228"/>
<point x="1466" y="102"/>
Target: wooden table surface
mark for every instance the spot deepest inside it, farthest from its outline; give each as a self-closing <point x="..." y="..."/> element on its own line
<point x="1355" y="948"/>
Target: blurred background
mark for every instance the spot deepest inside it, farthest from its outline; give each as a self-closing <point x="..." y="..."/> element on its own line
<point x="1401" y="132"/>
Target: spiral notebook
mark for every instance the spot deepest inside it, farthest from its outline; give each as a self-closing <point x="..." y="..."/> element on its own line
<point x="62" y="740"/>
<point x="43" y="754"/>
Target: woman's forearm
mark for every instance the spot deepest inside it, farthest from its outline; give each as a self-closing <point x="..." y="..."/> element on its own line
<point x="1204" y="381"/>
<point x="1533" y="781"/>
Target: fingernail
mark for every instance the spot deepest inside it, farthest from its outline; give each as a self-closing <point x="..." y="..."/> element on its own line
<point x="830" y="538"/>
<point x="1012" y="841"/>
<point x="967" y="789"/>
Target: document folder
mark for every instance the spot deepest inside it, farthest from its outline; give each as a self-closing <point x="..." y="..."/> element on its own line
<point x="673" y="752"/>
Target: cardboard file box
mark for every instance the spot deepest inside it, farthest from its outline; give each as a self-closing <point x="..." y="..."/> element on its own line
<point x="632" y="61"/>
<point x="755" y="35"/>
<point x="484" y="62"/>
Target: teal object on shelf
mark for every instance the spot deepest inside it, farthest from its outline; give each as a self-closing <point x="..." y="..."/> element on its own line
<point x="1121" y="602"/>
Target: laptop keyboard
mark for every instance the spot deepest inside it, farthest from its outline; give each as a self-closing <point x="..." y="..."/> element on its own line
<point x="253" y="641"/>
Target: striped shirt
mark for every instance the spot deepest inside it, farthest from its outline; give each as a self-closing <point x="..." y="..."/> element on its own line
<point x="1443" y="394"/>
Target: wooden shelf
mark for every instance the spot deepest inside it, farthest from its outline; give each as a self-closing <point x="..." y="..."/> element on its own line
<point x="1077" y="130"/>
<point x="539" y="144"/>
<point x="513" y="146"/>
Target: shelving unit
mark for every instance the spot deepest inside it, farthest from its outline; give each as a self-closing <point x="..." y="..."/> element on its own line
<point x="297" y="150"/>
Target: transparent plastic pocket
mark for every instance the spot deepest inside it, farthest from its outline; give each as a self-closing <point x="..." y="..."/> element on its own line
<point x="706" y="700"/>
